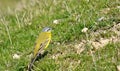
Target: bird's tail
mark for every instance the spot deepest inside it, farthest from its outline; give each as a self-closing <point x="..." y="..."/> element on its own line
<point x="30" y="66"/>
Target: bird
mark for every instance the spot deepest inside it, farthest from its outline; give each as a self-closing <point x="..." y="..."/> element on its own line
<point x="41" y="44"/>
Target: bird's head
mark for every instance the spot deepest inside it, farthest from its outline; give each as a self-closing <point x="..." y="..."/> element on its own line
<point x="46" y="29"/>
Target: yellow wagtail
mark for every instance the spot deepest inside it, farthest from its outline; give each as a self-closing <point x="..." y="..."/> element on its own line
<point x="41" y="44"/>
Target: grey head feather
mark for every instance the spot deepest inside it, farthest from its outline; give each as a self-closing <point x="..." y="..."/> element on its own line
<point x="46" y="29"/>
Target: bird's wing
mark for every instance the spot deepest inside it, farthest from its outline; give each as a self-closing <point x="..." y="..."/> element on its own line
<point x="42" y="43"/>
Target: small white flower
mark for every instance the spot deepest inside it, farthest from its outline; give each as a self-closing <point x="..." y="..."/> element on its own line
<point x="118" y="67"/>
<point x="84" y="30"/>
<point x="58" y="43"/>
<point x="16" y="56"/>
<point x="56" y="21"/>
<point x="118" y="7"/>
<point x="101" y="18"/>
<point x="88" y="0"/>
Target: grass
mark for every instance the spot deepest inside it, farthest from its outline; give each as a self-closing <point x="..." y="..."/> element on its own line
<point x="20" y="27"/>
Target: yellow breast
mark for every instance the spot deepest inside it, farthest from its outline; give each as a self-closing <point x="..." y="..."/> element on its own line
<point x="42" y="42"/>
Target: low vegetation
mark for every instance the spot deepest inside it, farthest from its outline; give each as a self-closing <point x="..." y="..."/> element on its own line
<point x="85" y="34"/>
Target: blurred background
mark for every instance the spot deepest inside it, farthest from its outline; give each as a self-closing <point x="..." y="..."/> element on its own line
<point x="85" y="35"/>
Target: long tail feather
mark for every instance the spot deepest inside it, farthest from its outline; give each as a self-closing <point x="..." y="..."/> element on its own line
<point x="32" y="62"/>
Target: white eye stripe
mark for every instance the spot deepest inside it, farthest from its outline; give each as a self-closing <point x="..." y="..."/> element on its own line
<point x="46" y="29"/>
